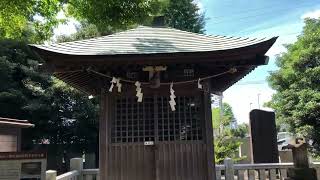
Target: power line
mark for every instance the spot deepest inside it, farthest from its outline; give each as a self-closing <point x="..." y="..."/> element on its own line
<point x="251" y="82"/>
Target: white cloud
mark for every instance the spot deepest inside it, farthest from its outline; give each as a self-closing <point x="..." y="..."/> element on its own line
<point x="244" y="98"/>
<point x="279" y="47"/>
<point x="67" y="28"/>
<point x="311" y="14"/>
<point x="200" y="5"/>
<point x="287" y="33"/>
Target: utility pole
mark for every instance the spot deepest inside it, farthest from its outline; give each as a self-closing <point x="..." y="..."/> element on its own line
<point x="221" y="111"/>
<point x="259" y="100"/>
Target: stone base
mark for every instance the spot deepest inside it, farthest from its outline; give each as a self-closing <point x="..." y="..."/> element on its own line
<point x="302" y="174"/>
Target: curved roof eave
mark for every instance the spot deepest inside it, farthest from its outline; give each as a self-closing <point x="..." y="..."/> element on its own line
<point x="151" y="41"/>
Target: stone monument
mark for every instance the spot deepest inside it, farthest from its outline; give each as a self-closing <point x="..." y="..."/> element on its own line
<point x="301" y="170"/>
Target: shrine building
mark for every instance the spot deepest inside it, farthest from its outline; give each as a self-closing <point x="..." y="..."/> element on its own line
<point x="155" y="86"/>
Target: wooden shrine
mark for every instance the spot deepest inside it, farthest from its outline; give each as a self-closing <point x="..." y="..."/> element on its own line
<point x="155" y="86"/>
<point x="10" y="134"/>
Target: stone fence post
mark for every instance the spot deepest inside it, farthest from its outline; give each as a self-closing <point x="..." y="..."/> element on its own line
<point x="229" y="171"/>
<point x="77" y="164"/>
<point x="51" y="175"/>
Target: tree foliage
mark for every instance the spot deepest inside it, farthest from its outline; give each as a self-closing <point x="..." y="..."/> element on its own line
<point x="185" y="15"/>
<point x="226" y="140"/>
<point x="110" y="15"/>
<point x="227" y="116"/>
<point x="65" y="117"/>
<point x="297" y="82"/>
<point x="20" y="82"/>
<point x="241" y="131"/>
<point x="84" y="31"/>
<point x="226" y="146"/>
<point x="61" y="114"/>
<point x="32" y="19"/>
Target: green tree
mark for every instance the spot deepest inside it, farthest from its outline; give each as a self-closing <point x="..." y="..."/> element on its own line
<point x="32" y="19"/>
<point x="226" y="140"/>
<point x="60" y="113"/>
<point x="297" y="85"/>
<point x="226" y="145"/>
<point x="63" y="116"/>
<point x="241" y="131"/>
<point x="227" y="116"/>
<point x="110" y="15"/>
<point x="20" y="82"/>
<point x="185" y="15"/>
<point x="84" y="31"/>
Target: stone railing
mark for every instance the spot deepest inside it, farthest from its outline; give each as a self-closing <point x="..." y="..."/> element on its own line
<point x="271" y="171"/>
<point x="226" y="171"/>
<point x="76" y="172"/>
<point x="90" y="174"/>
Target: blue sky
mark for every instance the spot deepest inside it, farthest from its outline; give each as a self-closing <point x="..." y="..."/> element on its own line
<point x="249" y="18"/>
<point x="257" y="18"/>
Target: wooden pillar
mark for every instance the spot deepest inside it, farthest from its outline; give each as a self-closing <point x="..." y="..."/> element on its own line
<point x="19" y="140"/>
<point x="209" y="132"/>
<point x="103" y="135"/>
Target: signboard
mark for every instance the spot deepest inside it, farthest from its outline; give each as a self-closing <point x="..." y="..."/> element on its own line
<point x="22" y="166"/>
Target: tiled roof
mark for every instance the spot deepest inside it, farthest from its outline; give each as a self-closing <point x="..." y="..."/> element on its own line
<point x="150" y="40"/>
<point x="15" y="122"/>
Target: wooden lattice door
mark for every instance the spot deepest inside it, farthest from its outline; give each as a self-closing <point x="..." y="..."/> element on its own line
<point x="180" y="149"/>
<point x="149" y="141"/>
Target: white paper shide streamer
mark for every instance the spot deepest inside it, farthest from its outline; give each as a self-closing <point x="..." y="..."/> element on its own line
<point x="139" y="93"/>
<point x="199" y="85"/>
<point x="115" y="81"/>
<point x="172" y="101"/>
<point x="119" y="85"/>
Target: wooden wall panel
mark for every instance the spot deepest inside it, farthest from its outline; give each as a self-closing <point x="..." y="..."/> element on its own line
<point x="162" y="162"/>
<point x="131" y="162"/>
<point x="181" y="161"/>
<point x="9" y="139"/>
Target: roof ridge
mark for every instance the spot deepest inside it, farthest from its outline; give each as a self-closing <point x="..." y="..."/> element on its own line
<point x="206" y="35"/>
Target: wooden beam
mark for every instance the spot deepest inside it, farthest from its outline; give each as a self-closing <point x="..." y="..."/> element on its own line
<point x="211" y="169"/>
<point x="103" y="135"/>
